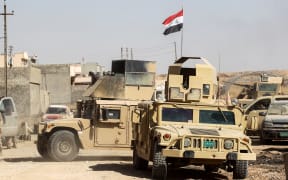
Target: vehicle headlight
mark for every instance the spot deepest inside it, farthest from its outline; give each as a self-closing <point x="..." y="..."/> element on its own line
<point x="187" y="142"/>
<point x="228" y="144"/>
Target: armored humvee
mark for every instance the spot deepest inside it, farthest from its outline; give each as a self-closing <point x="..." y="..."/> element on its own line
<point x="105" y="114"/>
<point x="250" y="86"/>
<point x="190" y="127"/>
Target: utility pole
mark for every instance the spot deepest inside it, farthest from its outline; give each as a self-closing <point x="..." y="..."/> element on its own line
<point x="10" y="56"/>
<point x="131" y="52"/>
<point x="5" y="44"/>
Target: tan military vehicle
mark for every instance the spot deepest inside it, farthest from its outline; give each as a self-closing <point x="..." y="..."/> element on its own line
<point x="105" y="114"/>
<point x="268" y="86"/>
<point x="190" y="128"/>
<point x="253" y="86"/>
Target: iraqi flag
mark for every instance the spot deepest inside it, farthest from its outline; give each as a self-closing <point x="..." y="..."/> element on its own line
<point x="173" y="23"/>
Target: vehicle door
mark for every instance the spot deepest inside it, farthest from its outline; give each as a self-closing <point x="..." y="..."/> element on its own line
<point x="10" y="117"/>
<point x="113" y="126"/>
<point x="255" y="114"/>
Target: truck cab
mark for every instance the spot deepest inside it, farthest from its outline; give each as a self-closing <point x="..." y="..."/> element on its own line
<point x="255" y="113"/>
<point x="10" y="125"/>
<point x="10" y="122"/>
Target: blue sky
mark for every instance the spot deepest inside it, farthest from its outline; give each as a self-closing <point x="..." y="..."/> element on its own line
<point x="241" y="34"/>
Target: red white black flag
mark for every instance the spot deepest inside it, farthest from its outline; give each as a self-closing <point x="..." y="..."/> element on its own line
<point x="173" y="23"/>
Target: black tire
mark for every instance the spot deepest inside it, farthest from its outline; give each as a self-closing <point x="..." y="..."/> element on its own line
<point x="62" y="146"/>
<point x="240" y="169"/>
<point x="211" y="168"/>
<point x="138" y="162"/>
<point x="159" y="168"/>
<point x="42" y="147"/>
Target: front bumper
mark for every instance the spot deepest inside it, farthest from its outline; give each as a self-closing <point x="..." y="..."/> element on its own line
<point x="208" y="155"/>
<point x="209" y="147"/>
<point x="275" y="133"/>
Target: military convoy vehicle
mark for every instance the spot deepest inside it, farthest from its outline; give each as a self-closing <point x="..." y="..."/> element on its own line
<point x="255" y="100"/>
<point x="263" y="85"/>
<point x="105" y="116"/>
<point x="125" y="110"/>
<point x="191" y="127"/>
<point x="268" y="86"/>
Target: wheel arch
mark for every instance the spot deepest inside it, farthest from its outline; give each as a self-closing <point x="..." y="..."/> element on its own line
<point x="152" y="141"/>
<point x="56" y="129"/>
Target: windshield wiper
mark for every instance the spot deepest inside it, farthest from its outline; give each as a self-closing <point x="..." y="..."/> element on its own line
<point x="225" y="118"/>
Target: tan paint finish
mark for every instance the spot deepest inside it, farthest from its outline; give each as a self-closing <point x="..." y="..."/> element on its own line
<point x="152" y="128"/>
<point x="205" y="74"/>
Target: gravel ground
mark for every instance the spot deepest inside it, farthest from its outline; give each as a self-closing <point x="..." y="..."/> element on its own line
<point x="24" y="162"/>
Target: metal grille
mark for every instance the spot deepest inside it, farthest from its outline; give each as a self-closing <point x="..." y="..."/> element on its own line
<point x="205" y="143"/>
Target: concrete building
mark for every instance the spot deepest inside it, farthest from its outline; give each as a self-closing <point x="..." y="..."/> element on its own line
<point x="56" y="78"/>
<point x="24" y="85"/>
<point x="19" y="59"/>
<point x="67" y="82"/>
<point x="33" y="86"/>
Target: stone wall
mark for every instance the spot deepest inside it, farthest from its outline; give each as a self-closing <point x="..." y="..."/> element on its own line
<point x="56" y="78"/>
<point x="23" y="85"/>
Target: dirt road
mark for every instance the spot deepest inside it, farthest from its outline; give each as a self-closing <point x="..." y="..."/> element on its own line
<point x="25" y="163"/>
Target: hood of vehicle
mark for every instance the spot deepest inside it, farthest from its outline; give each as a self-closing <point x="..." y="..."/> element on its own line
<point x="277" y="118"/>
<point x="51" y="117"/>
<point x="201" y="130"/>
<point x="78" y="124"/>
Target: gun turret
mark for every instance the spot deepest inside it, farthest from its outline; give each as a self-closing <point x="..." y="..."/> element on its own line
<point x="191" y="79"/>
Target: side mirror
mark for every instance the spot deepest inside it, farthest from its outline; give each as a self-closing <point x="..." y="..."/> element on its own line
<point x="262" y="113"/>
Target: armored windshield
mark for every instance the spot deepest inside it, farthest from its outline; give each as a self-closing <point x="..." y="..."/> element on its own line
<point x="278" y="109"/>
<point x="177" y="114"/>
<point x="217" y="117"/>
<point x="268" y="87"/>
<point x="56" y="110"/>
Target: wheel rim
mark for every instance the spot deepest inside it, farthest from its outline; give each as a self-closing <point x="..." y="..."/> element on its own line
<point x="64" y="147"/>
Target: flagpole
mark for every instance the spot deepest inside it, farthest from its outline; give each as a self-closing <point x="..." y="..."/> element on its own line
<point x="182" y="39"/>
<point x="174" y="23"/>
<point x="175" y="49"/>
<point x="182" y="33"/>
